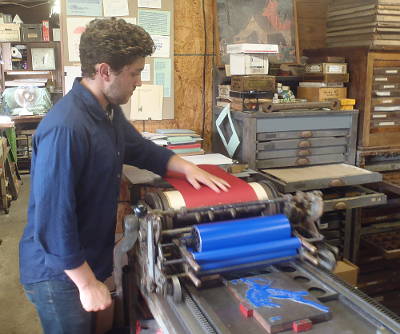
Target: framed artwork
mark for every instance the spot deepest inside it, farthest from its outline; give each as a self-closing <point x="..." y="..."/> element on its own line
<point x="259" y="22"/>
<point x="43" y="59"/>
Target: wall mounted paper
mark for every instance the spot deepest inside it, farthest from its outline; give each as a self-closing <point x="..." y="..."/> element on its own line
<point x="232" y="144"/>
<point x="131" y="20"/>
<point x="84" y="8"/>
<point x="147" y="103"/>
<point x="146" y="74"/>
<point x="149" y="3"/>
<point x="162" y="74"/>
<point x="155" y="22"/>
<point x="162" y="44"/>
<point x="71" y="72"/>
<point x="75" y="27"/>
<point x="115" y="7"/>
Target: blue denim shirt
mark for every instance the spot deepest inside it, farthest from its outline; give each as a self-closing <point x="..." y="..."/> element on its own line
<point x="77" y="159"/>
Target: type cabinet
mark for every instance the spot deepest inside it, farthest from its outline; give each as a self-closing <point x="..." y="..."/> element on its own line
<point x="375" y="84"/>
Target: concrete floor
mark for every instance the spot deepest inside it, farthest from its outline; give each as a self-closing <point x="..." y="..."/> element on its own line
<point x="17" y="314"/>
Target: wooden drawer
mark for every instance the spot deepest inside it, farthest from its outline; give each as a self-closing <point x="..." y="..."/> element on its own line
<point x="385" y="101"/>
<point x="263" y="136"/>
<point x="351" y="198"/>
<point x="385" y="123"/>
<point x="301" y="152"/>
<point x="300" y="143"/>
<point x="384" y="71"/>
<point x="319" y="177"/>
<point x="383" y="116"/>
<point x="382" y="79"/>
<point x="300" y="161"/>
<point x="382" y="86"/>
<point x="386" y="92"/>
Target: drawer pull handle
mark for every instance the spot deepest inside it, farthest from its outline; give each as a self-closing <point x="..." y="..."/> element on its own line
<point x="304" y="144"/>
<point x="337" y="183"/>
<point x="302" y="161"/>
<point x="340" y="206"/>
<point x="306" y="134"/>
<point x="303" y="153"/>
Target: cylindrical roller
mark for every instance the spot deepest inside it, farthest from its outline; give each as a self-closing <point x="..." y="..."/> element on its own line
<point x="234" y="233"/>
<point x="246" y="251"/>
<point x="247" y="260"/>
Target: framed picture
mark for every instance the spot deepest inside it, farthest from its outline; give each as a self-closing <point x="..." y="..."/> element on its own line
<point x="259" y="22"/>
<point x="43" y="59"/>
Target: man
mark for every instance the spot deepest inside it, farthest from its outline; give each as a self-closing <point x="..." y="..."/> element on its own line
<point x="78" y="151"/>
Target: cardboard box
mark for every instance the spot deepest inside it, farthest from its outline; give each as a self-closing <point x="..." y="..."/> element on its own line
<point x="46" y="30"/>
<point x="9" y="32"/>
<point x="31" y="33"/>
<point x="348" y="107"/>
<point x="244" y="63"/>
<point x="314" y="94"/>
<point x="223" y="91"/>
<point x="257" y="83"/>
<point x="336" y="68"/>
<point x="347" y="271"/>
<point x="326" y="77"/>
<point x="252" y="48"/>
<point x="347" y="102"/>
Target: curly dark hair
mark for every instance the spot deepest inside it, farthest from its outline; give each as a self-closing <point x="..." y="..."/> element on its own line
<point x="112" y="41"/>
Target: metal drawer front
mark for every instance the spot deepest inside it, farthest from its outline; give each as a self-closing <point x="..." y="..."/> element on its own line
<point x="303" y="144"/>
<point x="300" y="152"/>
<point x="362" y="197"/>
<point x="300" y="161"/>
<point x="312" y="123"/>
<point x="301" y="134"/>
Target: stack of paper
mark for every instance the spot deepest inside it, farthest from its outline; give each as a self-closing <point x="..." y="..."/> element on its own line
<point x="182" y="141"/>
<point x="363" y="22"/>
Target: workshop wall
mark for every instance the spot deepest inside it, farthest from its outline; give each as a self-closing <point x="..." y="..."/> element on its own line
<point x="190" y="57"/>
<point x="311" y="23"/>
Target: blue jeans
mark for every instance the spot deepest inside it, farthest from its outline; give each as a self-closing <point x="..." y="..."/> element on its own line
<point x="59" y="307"/>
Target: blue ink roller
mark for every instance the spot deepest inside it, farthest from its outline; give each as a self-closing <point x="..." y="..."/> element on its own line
<point x="247" y="250"/>
<point x="249" y="259"/>
<point x="240" y="232"/>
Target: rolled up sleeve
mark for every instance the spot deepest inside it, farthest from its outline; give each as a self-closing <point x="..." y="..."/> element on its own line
<point x="59" y="160"/>
<point x="143" y="153"/>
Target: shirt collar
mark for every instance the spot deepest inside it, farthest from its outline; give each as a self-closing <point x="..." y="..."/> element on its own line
<point x="93" y="105"/>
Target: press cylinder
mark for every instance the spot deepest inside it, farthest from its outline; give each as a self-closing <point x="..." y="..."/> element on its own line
<point x="240" y="232"/>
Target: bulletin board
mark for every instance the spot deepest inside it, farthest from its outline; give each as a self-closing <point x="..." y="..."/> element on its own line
<point x="155" y="99"/>
<point x="259" y="22"/>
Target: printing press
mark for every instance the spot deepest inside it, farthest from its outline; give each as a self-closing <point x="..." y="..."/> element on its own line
<point x="254" y="265"/>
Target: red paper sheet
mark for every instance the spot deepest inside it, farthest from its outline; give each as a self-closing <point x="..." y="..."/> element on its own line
<point x="239" y="191"/>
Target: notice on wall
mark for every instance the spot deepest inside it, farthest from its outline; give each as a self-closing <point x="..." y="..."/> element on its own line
<point x="84" y="7"/>
<point x="131" y="20"/>
<point x="71" y="72"/>
<point x="115" y="7"/>
<point x="162" y="74"/>
<point x="146" y="74"/>
<point x="149" y="3"/>
<point x="75" y="27"/>
<point x="147" y="103"/>
<point x="162" y="44"/>
<point x="155" y="22"/>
